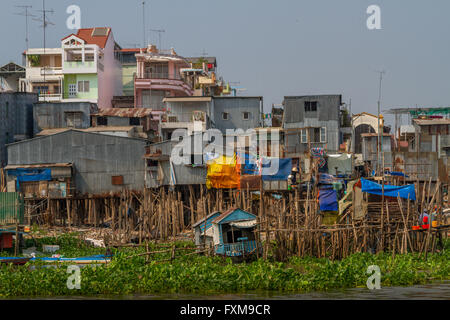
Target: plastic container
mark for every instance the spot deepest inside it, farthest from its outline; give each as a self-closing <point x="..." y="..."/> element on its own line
<point x="50" y="248"/>
<point x="425" y="226"/>
<point x="434" y="224"/>
<point x="416" y="227"/>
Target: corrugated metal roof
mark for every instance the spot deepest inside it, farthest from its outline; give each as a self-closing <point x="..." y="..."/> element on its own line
<point x="41" y="165"/>
<point x="182" y="99"/>
<point x="431" y="122"/>
<point x="126" y="112"/>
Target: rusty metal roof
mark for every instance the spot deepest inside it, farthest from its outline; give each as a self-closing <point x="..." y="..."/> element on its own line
<point x="43" y="165"/>
<point x="431" y="122"/>
<point x="125" y="112"/>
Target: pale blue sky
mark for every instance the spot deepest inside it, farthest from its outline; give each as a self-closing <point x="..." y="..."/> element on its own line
<point x="278" y="48"/>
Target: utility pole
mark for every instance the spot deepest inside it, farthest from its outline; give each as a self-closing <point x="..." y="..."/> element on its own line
<point x="380" y="129"/>
<point x="143" y="24"/>
<point x="159" y="31"/>
<point x="26" y="14"/>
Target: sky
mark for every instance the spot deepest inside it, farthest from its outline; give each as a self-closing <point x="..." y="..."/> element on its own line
<point x="276" y="48"/>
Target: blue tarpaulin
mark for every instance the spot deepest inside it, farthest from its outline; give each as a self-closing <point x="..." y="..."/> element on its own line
<point x="36" y="174"/>
<point x="398" y="174"/>
<point x="248" y="164"/>
<point x="328" y="199"/>
<point x="276" y="169"/>
<point x="389" y="190"/>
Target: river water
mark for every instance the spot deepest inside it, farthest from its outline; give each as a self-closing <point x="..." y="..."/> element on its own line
<point x="434" y="291"/>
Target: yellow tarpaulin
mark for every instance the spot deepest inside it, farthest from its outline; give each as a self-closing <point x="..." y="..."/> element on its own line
<point x="223" y="173"/>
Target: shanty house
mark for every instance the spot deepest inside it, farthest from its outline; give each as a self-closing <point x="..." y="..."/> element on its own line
<point x="100" y="163"/>
<point x="234" y="233"/>
<point x="204" y="230"/>
<point x="161" y="169"/>
<point x="47" y="115"/>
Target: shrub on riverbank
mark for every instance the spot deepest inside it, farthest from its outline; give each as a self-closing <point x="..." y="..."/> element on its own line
<point x="204" y="275"/>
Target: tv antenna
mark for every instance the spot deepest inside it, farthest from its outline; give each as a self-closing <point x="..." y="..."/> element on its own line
<point x="203" y="53"/>
<point x="45" y="23"/>
<point x="159" y="31"/>
<point x="26" y="14"/>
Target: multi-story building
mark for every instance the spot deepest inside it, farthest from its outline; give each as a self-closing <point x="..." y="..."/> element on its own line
<point x="312" y="121"/>
<point x="44" y="74"/>
<point x="158" y="76"/>
<point x="91" y="67"/>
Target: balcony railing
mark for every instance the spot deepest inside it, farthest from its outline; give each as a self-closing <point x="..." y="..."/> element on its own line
<point x="153" y="75"/>
<point x="50" y="71"/>
<point x="236" y="249"/>
<point x="78" y="64"/>
<point x="43" y="96"/>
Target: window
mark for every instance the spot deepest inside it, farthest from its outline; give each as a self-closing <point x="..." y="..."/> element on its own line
<point x="83" y="86"/>
<point x="323" y="134"/>
<point x="303" y="136"/>
<point x="225" y="116"/>
<point x="310" y="106"/>
<point x="135" y="122"/>
<point x="102" y="121"/>
<point x="117" y="180"/>
<point x="74" y="119"/>
<point x="245" y="115"/>
<point x="316" y="135"/>
<point x="72" y="90"/>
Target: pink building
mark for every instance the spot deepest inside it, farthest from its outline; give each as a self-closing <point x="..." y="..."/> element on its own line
<point x="158" y="76"/>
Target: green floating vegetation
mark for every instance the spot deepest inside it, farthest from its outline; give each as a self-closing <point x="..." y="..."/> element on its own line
<point x="212" y="275"/>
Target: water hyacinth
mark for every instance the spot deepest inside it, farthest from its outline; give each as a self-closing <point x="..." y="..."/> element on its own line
<point x="128" y="274"/>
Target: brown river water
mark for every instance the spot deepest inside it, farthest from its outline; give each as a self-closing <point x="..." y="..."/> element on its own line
<point x="434" y="291"/>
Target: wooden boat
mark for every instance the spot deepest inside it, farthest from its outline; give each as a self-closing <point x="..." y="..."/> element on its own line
<point x="14" y="260"/>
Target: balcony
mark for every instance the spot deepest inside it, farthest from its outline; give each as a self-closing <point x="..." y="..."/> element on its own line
<point x="80" y="67"/>
<point x="163" y="81"/>
<point x="37" y="73"/>
<point x="50" y="97"/>
<point x="51" y="71"/>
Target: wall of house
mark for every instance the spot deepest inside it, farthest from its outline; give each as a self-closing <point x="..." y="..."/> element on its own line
<point x="110" y="78"/>
<point x="235" y="106"/>
<point x="52" y="115"/>
<point x="16" y="119"/>
<point x="184" y="174"/>
<point x="93" y="93"/>
<point x="327" y="115"/>
<point x="185" y="109"/>
<point x="95" y="157"/>
<point x="369" y="147"/>
<point x="128" y="72"/>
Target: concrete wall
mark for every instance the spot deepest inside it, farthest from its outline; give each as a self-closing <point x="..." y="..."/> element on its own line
<point x="327" y="115"/>
<point x="53" y="115"/>
<point x="16" y="119"/>
<point x="235" y="106"/>
<point x="95" y="157"/>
